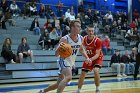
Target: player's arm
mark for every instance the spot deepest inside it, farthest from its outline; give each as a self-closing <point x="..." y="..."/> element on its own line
<point x="62" y="40"/>
<point x="98" y="50"/>
<point x="82" y="50"/>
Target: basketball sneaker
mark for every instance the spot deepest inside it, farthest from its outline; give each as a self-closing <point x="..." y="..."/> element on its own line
<point x="41" y="91"/>
<point x="78" y="91"/>
<point x="97" y="91"/>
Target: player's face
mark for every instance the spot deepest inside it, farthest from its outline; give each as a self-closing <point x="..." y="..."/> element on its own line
<point x="90" y="31"/>
<point x="77" y="27"/>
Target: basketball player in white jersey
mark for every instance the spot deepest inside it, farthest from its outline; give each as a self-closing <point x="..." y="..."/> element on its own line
<point x="65" y="65"/>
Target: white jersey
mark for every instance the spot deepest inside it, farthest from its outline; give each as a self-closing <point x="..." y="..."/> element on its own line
<point x="70" y="61"/>
<point x="75" y="47"/>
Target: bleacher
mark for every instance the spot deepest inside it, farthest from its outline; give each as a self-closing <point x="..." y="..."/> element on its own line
<point x="45" y="65"/>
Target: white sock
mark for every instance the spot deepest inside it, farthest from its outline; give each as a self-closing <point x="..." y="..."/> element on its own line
<point x="97" y="88"/>
<point x="79" y="90"/>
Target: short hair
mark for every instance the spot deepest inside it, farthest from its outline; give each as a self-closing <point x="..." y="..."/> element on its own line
<point x="74" y="21"/>
<point x="23" y="39"/>
<point x="90" y="26"/>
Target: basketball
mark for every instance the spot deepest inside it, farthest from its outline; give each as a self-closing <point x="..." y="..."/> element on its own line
<point x="64" y="50"/>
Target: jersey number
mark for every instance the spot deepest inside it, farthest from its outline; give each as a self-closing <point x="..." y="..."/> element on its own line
<point x="74" y="51"/>
<point x="89" y="52"/>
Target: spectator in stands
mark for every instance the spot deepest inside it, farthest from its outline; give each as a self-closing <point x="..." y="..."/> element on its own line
<point x="59" y="32"/>
<point x="66" y="31"/>
<point x="42" y="11"/>
<point x="45" y="40"/>
<point x="14" y="8"/>
<point x="9" y="19"/>
<point x="48" y="26"/>
<point x="133" y="55"/>
<point x="106" y="46"/>
<point x="24" y="50"/>
<point x="26" y="9"/>
<point x="81" y="8"/>
<point x="54" y="38"/>
<point x="62" y="22"/>
<point x="2" y="21"/>
<point x="33" y="9"/>
<point x="86" y="21"/>
<point x="90" y="15"/>
<point x="129" y="34"/>
<point x="139" y="25"/>
<point x="133" y="24"/>
<point x="59" y="8"/>
<point x="135" y="14"/>
<point x="72" y="16"/>
<point x="116" y="63"/>
<point x="127" y="60"/>
<point x="48" y="12"/>
<point x="67" y="13"/>
<point x="6" y="52"/>
<point x="4" y="6"/>
<point x="35" y="26"/>
<point x="137" y="65"/>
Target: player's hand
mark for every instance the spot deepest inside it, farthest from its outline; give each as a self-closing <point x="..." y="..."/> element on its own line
<point x="62" y="44"/>
<point x="88" y="61"/>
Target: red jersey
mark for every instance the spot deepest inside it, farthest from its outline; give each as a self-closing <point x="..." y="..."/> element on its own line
<point x="93" y="45"/>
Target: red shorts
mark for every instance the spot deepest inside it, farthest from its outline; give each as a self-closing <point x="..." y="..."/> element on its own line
<point x="97" y="62"/>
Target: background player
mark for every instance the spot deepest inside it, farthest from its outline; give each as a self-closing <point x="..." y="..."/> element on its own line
<point x="93" y="47"/>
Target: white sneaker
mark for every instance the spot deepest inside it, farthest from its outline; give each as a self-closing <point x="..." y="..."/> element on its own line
<point x="32" y="61"/>
<point x="78" y="91"/>
<point x="97" y="91"/>
<point x="119" y="75"/>
<point x="12" y="61"/>
<point x="41" y="91"/>
<point x="124" y="75"/>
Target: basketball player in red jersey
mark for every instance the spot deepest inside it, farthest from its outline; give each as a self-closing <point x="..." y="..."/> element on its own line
<point x="93" y="47"/>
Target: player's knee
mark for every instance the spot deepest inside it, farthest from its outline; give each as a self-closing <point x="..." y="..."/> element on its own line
<point x="20" y="55"/>
<point x="68" y="78"/>
<point x="96" y="70"/>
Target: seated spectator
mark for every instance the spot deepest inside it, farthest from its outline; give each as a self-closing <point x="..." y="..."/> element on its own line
<point x="4" y="5"/>
<point x="48" y="26"/>
<point x="129" y="34"/>
<point x="42" y="11"/>
<point x="72" y="16"/>
<point x="66" y="31"/>
<point x="9" y="19"/>
<point x="127" y="60"/>
<point x="116" y="63"/>
<point x="133" y="55"/>
<point x="24" y="50"/>
<point x="106" y="46"/>
<point x="26" y="9"/>
<point x="133" y="24"/>
<point x="2" y="21"/>
<point x="45" y="41"/>
<point x="59" y="32"/>
<point x="48" y="12"/>
<point x="33" y="9"/>
<point x="14" y="8"/>
<point x="54" y="38"/>
<point x="67" y="13"/>
<point x="35" y="26"/>
<point x="6" y="52"/>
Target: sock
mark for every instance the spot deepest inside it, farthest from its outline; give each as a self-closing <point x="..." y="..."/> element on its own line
<point x="97" y="88"/>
